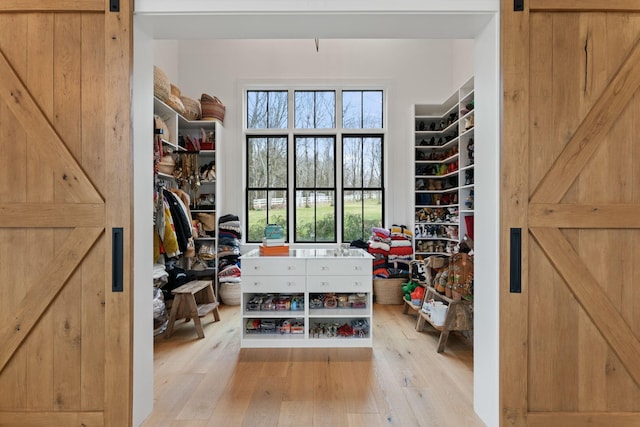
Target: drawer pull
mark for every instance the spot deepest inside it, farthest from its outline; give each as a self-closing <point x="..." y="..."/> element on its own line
<point x="291" y="283"/>
<point x="324" y="268"/>
<point x="357" y="268"/>
<point x="256" y="283"/>
<point x="324" y="283"/>
<point x="256" y="267"/>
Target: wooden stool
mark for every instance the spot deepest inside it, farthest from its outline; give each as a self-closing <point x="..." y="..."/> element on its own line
<point x="459" y="317"/>
<point x="185" y="305"/>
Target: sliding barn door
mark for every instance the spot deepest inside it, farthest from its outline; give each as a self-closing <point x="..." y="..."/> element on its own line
<point x="65" y="178"/>
<point x="570" y="282"/>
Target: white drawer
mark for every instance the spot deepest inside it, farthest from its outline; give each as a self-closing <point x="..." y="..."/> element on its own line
<point x="272" y="267"/>
<point x="273" y="284"/>
<point x="338" y="267"/>
<point x="339" y="284"/>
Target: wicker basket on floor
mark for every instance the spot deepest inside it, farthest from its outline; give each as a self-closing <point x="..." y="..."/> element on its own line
<point x="229" y="293"/>
<point x="388" y="291"/>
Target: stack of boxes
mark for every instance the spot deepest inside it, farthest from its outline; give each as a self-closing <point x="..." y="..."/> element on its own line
<point x="273" y="241"/>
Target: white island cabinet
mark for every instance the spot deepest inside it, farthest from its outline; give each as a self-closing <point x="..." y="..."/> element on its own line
<point x="310" y="298"/>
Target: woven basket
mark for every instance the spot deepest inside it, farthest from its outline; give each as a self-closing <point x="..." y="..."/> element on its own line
<point x="388" y="291"/>
<point x="230" y="293"/>
<point x="175" y="103"/>
<point x="191" y="108"/>
<point x="212" y="108"/>
<point x="161" y="84"/>
<point x="175" y="90"/>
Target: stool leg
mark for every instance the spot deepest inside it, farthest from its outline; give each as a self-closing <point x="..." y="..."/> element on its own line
<point x="177" y="302"/>
<point x="193" y="308"/>
<point x="211" y="297"/>
<point x="444" y="336"/>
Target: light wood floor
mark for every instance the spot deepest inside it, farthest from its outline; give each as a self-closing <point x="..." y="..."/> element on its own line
<point x="402" y="381"/>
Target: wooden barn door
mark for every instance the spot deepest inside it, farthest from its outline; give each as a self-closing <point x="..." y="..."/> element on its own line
<point x="65" y="178"/>
<point x="570" y="349"/>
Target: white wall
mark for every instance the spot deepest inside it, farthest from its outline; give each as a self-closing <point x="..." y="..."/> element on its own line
<point x="143" y="228"/>
<point x="412" y="71"/>
<point x="486" y="372"/>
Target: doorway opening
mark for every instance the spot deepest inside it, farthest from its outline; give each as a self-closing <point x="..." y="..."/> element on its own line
<point x="483" y="28"/>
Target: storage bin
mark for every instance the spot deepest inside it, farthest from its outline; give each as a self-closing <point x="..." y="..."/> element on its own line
<point x="230" y="293"/>
<point x="388" y="291"/>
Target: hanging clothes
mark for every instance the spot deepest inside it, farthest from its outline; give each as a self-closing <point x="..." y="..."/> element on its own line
<point x="181" y="223"/>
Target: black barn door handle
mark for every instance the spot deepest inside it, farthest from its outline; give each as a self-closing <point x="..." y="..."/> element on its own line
<point x="116" y="260"/>
<point x="515" y="261"/>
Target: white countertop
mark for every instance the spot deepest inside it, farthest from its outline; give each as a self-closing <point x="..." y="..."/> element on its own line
<point x="313" y="253"/>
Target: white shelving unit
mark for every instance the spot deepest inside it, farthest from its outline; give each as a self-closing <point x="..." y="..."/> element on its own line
<point x="205" y="195"/>
<point x="444" y="172"/>
<point x="317" y="279"/>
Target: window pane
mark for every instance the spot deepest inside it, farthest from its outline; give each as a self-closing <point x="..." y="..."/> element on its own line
<point x="372" y="162"/>
<point x="325" y="110"/>
<point x="277" y="210"/>
<point x="263" y="205"/>
<point x="325" y="163"/>
<point x="304" y="110"/>
<point x="277" y="162"/>
<point x="351" y="109"/>
<point x="278" y="110"/>
<point x="315" y="216"/>
<point x="315" y="109"/>
<point x="372" y="109"/>
<point x="362" y="210"/>
<point x="257" y="215"/>
<point x="352" y="162"/>
<point x="267" y="109"/>
<point x="257" y="162"/>
<point x="305" y="162"/>
<point x="256" y="109"/>
<point x="352" y="219"/>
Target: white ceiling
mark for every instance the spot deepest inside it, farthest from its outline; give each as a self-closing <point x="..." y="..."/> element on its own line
<point x="203" y="26"/>
<point x="291" y="19"/>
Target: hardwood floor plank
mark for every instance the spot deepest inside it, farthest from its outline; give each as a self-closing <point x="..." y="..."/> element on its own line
<point x="402" y="381"/>
<point x="296" y="413"/>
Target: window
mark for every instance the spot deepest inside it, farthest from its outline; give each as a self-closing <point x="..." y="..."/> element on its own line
<point x="266" y="184"/>
<point x="362" y="185"/>
<point x="362" y="109"/>
<point x="315" y="109"/>
<point x="309" y="124"/>
<point x="315" y="213"/>
<point x="267" y="109"/>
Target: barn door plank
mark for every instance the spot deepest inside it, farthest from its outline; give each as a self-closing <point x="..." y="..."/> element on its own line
<point x="513" y="214"/>
<point x="591" y="297"/>
<point x="40" y="132"/>
<point x="578" y="215"/>
<point x="51" y="281"/>
<point x="589" y="134"/>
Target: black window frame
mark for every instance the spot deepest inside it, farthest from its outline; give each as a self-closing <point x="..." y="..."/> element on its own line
<point x="266" y="189"/>
<point x="381" y="189"/>
<point x="338" y="133"/>
<point x="315" y="189"/>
